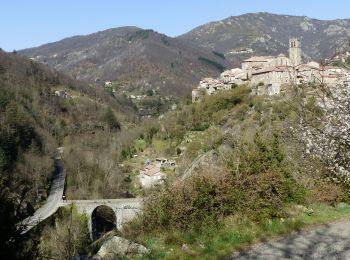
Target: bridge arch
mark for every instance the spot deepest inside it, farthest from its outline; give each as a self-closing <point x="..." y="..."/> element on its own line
<point x="103" y="220"/>
<point x="124" y="209"/>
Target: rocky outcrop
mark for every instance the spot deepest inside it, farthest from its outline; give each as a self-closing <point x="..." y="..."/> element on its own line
<point x="118" y="247"/>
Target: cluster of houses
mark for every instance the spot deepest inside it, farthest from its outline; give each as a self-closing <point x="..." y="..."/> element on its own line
<point x="268" y="75"/>
<point x="151" y="174"/>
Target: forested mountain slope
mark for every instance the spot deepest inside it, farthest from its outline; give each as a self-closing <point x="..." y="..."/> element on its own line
<point x="34" y="122"/>
<point x="133" y="57"/>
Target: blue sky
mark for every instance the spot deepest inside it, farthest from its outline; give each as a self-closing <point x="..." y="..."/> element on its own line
<point x="30" y="23"/>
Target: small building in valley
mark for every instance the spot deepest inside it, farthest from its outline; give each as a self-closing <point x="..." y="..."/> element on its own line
<point x="108" y="84"/>
<point x="151" y="175"/>
<point x="61" y="93"/>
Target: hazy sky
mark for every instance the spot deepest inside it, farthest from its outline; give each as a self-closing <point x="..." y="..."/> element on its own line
<point x="30" y="23"/>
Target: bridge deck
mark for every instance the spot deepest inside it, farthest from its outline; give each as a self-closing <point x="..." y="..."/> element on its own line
<point x="103" y="201"/>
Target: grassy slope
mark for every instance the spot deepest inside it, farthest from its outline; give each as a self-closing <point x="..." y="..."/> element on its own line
<point x="236" y="234"/>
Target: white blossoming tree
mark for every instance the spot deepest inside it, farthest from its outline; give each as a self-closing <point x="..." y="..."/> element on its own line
<point x="328" y="135"/>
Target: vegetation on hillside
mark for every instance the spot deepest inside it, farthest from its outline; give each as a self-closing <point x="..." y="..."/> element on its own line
<point x="243" y="162"/>
<point x="257" y="183"/>
<point x="236" y="233"/>
<point x="262" y="172"/>
<point x="136" y="59"/>
<point x="140" y="34"/>
<point x="34" y="122"/>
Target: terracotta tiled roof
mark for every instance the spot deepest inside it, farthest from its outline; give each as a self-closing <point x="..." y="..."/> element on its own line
<point x="271" y="69"/>
<point x="151" y="170"/>
<point x="303" y="67"/>
<point x="331" y="76"/>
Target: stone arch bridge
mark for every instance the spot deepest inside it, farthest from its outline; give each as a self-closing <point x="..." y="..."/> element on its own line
<point x="124" y="209"/>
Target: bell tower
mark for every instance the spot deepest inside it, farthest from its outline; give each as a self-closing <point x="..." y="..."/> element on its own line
<point x="295" y="51"/>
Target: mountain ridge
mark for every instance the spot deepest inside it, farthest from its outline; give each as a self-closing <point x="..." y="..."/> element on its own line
<point x="137" y="58"/>
<point x="240" y="37"/>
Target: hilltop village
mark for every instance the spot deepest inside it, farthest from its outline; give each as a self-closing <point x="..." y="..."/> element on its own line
<point x="269" y="75"/>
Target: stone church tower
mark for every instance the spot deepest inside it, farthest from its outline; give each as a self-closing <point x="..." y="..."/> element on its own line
<point x="295" y="52"/>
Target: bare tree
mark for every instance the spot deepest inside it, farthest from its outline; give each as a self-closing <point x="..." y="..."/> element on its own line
<point x="67" y="238"/>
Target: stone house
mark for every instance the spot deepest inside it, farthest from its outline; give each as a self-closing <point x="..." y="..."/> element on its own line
<point x="308" y="73"/>
<point x="256" y="63"/>
<point x="151" y="175"/>
<point x="278" y="74"/>
<point x="330" y="80"/>
<point x="233" y="76"/>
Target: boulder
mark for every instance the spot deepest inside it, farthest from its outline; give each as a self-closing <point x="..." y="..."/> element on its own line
<point x="116" y="247"/>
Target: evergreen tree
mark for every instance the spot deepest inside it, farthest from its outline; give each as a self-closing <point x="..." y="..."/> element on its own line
<point x="111" y="120"/>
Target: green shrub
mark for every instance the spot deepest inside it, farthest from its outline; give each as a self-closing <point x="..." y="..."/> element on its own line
<point x="203" y="114"/>
<point x="110" y="119"/>
<point x="257" y="183"/>
<point x="149" y="92"/>
<point x="242" y="111"/>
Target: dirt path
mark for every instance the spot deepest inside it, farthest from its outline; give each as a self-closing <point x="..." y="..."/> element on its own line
<point x="331" y="241"/>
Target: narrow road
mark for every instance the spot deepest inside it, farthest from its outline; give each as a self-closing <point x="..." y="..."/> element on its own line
<point x="331" y="241"/>
<point x="53" y="201"/>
